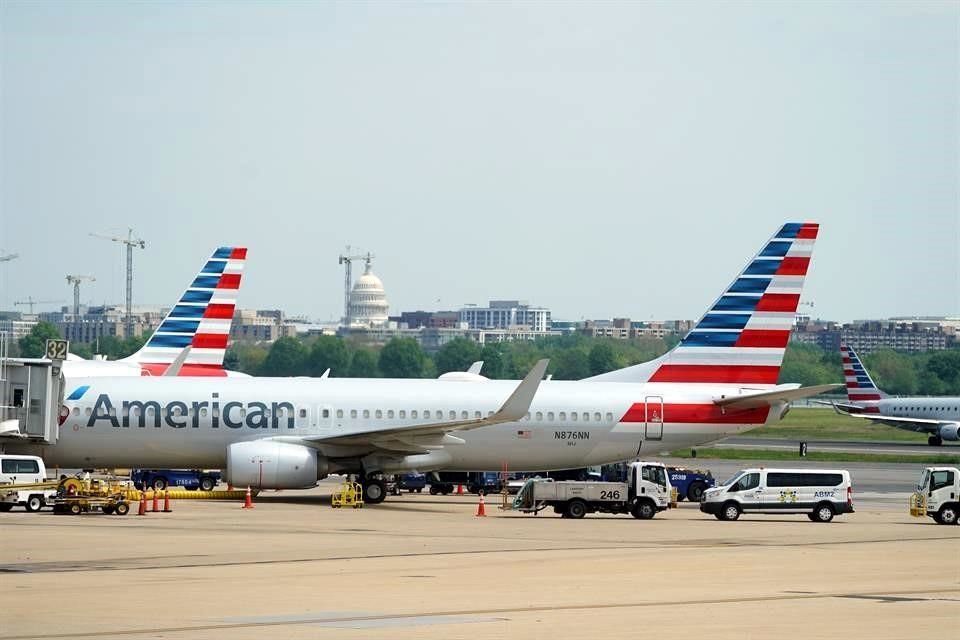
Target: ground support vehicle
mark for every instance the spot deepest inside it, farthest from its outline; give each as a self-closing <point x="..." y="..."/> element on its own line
<point x="646" y="492"/>
<point x="412" y="482"/>
<point x="819" y="493"/>
<point x="441" y="488"/>
<point x="76" y="496"/>
<point x="29" y="477"/>
<point x="350" y="494"/>
<point x="486" y="481"/>
<point x="161" y="479"/>
<point x="690" y="484"/>
<point x="938" y="495"/>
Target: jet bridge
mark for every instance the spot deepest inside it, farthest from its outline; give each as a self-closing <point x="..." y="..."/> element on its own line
<point x="31" y="394"/>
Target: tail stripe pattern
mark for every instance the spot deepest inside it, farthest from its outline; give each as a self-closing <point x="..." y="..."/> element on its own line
<point x="742" y="338"/>
<point x="860" y="386"/>
<point x="200" y="319"/>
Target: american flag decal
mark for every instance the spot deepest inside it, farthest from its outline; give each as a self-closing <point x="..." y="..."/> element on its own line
<point x="524" y="434"/>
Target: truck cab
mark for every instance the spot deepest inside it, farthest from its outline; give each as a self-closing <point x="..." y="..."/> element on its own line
<point x="24" y="470"/>
<point x="938" y="495"/>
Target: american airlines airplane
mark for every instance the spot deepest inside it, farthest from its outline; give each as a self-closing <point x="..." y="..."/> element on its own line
<point x="938" y="416"/>
<point x="200" y="320"/>
<point x="289" y="432"/>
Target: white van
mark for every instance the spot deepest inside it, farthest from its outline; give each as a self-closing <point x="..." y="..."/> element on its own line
<point x="820" y="493"/>
<point x="23" y="470"/>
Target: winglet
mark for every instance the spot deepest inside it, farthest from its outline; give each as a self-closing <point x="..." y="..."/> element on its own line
<point x="518" y="404"/>
<point x="325" y="374"/>
<point x="174" y="369"/>
<point x="475" y="367"/>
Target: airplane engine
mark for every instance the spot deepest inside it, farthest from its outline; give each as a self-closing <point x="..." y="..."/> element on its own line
<point x="274" y="465"/>
<point x="950" y="431"/>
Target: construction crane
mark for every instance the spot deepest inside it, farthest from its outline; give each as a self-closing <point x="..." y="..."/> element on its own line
<point x="347" y="261"/>
<point x="131" y="242"/>
<point x="30" y="302"/>
<point x="75" y="280"/>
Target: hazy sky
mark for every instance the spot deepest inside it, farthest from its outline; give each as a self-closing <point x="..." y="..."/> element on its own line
<point x="599" y="159"/>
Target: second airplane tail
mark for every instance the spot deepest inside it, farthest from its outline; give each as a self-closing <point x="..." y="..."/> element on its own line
<point x="860" y="386"/>
<point x="201" y="319"/>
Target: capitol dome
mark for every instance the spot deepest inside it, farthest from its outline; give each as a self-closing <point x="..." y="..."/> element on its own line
<point x="368" y="301"/>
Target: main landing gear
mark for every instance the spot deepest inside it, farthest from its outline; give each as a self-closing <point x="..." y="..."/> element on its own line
<point x="935" y="441"/>
<point x="374" y="489"/>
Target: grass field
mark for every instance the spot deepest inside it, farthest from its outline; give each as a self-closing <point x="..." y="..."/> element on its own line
<point x="819" y="456"/>
<point x="827" y="424"/>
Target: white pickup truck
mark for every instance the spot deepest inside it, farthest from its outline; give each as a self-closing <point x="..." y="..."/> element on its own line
<point x="646" y="492"/>
<point x="24" y="470"/>
<point x="938" y="495"/>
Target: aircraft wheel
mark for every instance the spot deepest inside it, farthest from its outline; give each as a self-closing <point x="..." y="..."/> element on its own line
<point x="374" y="491"/>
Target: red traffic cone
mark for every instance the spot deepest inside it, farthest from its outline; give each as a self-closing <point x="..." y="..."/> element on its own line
<point x="459" y="489"/>
<point x="481" y="511"/>
<point x="156" y="501"/>
<point x="248" y="501"/>
<point x="142" y="509"/>
<point x="166" y="501"/>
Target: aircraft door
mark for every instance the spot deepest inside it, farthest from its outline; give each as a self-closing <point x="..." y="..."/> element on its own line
<point x="653" y="427"/>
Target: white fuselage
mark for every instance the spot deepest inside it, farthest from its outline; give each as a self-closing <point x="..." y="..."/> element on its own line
<point x="570" y="424"/>
<point x="946" y="409"/>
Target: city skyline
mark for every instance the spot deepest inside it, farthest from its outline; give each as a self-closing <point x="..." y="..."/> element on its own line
<point x="623" y="160"/>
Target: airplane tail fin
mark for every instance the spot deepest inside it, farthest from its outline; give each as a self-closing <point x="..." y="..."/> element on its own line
<point x="741" y="339"/>
<point x="860" y="386"/>
<point x="201" y="319"/>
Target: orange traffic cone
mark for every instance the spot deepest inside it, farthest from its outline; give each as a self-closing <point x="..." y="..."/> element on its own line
<point x="156" y="501"/>
<point x="481" y="511"/>
<point x="248" y="501"/>
<point x="166" y="501"/>
<point x="459" y="489"/>
<point x="142" y="509"/>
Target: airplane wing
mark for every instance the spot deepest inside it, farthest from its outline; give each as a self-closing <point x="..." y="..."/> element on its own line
<point x="435" y="434"/>
<point x="917" y="424"/>
<point x="840" y="407"/>
<point x="784" y="393"/>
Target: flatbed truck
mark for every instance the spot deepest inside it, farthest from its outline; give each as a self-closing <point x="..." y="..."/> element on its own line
<point x="938" y="495"/>
<point x="646" y="492"/>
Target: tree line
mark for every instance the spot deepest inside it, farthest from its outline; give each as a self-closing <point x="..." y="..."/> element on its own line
<point x="572" y="357"/>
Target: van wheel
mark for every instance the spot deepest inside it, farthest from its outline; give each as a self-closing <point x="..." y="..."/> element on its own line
<point x="731" y="511"/>
<point x="159" y="483"/>
<point x="644" y="510"/>
<point x="576" y="509"/>
<point x="948" y="514"/>
<point x="823" y="513"/>
<point x="34" y="503"/>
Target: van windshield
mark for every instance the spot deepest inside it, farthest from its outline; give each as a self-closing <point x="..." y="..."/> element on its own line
<point x="732" y="479"/>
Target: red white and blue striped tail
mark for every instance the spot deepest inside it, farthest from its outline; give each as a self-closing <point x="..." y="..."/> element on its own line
<point x="201" y="319"/>
<point x="860" y="386"/>
<point x="742" y="337"/>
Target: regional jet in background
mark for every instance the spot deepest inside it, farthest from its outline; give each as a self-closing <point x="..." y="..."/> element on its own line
<point x="721" y="379"/>
<point x="200" y="320"/>
<point x="937" y="416"/>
